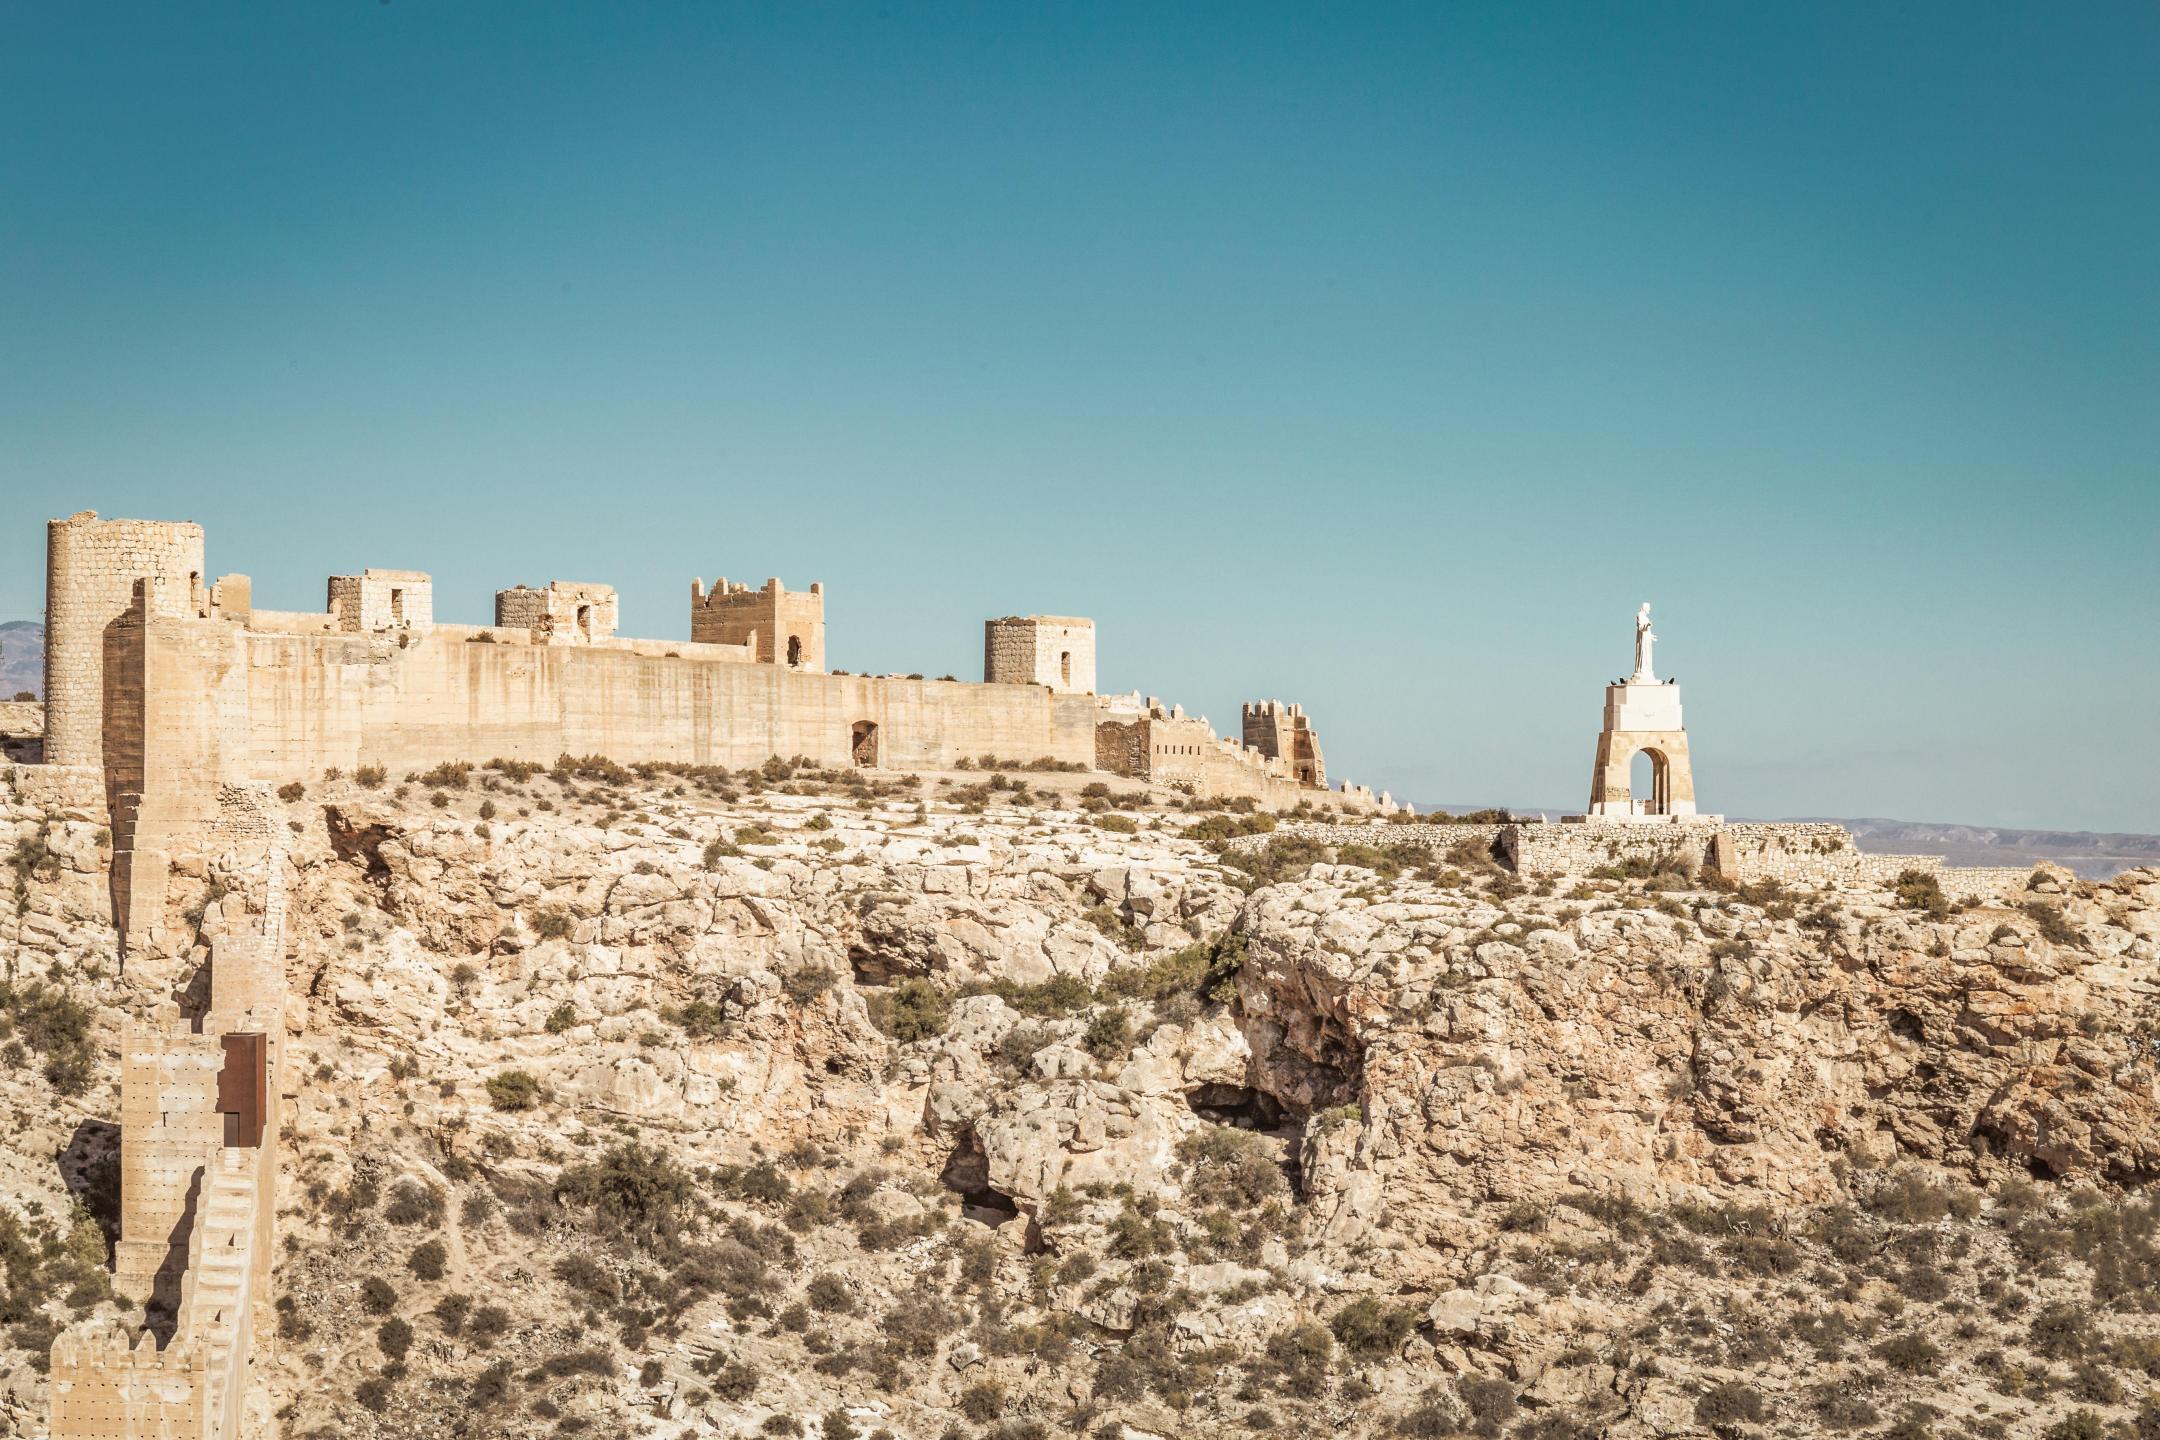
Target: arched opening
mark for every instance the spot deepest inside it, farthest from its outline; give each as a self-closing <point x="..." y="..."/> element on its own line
<point x="1065" y="668"/>
<point x="794" y="650"/>
<point x="1649" y="783"/>
<point x="584" y="621"/>
<point x="397" y="606"/>
<point x="862" y="741"/>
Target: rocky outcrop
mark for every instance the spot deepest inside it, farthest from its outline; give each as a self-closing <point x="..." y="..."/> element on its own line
<point x="1498" y="1054"/>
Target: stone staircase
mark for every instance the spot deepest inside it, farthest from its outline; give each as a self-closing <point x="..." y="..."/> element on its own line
<point x="216" y="1316"/>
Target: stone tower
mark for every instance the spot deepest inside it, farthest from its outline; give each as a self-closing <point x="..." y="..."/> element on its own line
<point x="92" y="567"/>
<point x="788" y="627"/>
<point x="1642" y="714"/>
<point x="1053" y="650"/>
<point x="1283" y="732"/>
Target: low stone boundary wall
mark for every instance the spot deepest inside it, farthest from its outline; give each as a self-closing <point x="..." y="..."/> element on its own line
<point x="73" y="792"/>
<point x="22" y="717"/>
<point x="1557" y="850"/>
<point x="1980" y="882"/>
<point x="1377" y="834"/>
<point x="1802" y="853"/>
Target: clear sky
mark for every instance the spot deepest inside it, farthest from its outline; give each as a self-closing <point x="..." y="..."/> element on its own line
<point x="1379" y="357"/>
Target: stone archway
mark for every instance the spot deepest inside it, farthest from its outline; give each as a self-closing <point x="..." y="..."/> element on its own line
<point x="863" y="744"/>
<point x="1654" y="798"/>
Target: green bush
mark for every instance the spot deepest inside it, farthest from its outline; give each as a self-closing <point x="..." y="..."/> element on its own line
<point x="1921" y="890"/>
<point x="561" y="1018"/>
<point x="427" y="1260"/>
<point x="1732" y="1403"/>
<point x="1371" y="1329"/>
<point x="1206" y="970"/>
<point x="1281" y="859"/>
<point x="2059" y="1332"/>
<point x="55" y="1025"/>
<point x="1912" y="1354"/>
<point x="489" y="1323"/>
<point x="910" y="1009"/>
<point x="414" y="1203"/>
<point x="1299" y="1356"/>
<point x="513" y="1090"/>
<point x="377" y="1295"/>
<point x="394" y="1336"/>
<point x="806" y="984"/>
<point x="1109" y="1034"/>
<point x="551" y="922"/>
<point x="631" y="1190"/>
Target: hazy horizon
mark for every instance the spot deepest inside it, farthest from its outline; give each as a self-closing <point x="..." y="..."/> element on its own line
<point x="1381" y="359"/>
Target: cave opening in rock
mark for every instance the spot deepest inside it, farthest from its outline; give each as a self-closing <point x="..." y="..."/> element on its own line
<point x="870" y="967"/>
<point x="1238" y="1105"/>
<point x="967" y="1174"/>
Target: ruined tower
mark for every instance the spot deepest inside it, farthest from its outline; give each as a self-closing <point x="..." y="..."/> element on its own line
<point x="567" y="612"/>
<point x="92" y="568"/>
<point x="1053" y="650"/>
<point x="788" y="627"/>
<point x="1282" y="732"/>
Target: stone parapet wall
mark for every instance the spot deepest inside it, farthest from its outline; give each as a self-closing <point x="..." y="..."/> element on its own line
<point x="1810" y="854"/>
<point x="1985" y="882"/>
<point x="1560" y="850"/>
<point x="1379" y="834"/>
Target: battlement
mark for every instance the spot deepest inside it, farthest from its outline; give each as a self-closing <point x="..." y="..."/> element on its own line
<point x="1282" y="732"/>
<point x="116" y="1384"/>
<point x="785" y="627"/>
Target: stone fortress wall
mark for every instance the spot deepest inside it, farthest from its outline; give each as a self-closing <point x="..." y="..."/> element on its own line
<point x="1145" y="739"/>
<point x="194" y="690"/>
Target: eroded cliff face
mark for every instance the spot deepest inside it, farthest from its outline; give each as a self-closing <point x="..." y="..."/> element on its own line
<point x="1710" y="1049"/>
<point x="685" y="1105"/>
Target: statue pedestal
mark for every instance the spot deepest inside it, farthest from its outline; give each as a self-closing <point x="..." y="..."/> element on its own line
<point x="1642" y="717"/>
<point x="1633" y="705"/>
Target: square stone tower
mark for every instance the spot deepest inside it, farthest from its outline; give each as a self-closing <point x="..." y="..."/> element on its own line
<point x="567" y="612"/>
<point x="1053" y="650"/>
<point x="1283" y="732"/>
<point x="788" y="627"/>
<point x="377" y="600"/>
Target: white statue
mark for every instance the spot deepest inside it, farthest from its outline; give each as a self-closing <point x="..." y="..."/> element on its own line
<point x="1644" y="638"/>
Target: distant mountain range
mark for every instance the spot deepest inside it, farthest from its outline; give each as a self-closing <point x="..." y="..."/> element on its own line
<point x="2093" y="855"/>
<point x="22" y="658"/>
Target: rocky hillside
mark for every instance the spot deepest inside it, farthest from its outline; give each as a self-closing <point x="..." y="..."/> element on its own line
<point x="783" y="1104"/>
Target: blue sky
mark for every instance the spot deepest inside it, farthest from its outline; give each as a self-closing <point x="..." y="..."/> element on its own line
<point x="1381" y="357"/>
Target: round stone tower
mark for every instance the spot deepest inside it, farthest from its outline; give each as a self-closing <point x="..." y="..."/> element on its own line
<point x="91" y="567"/>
